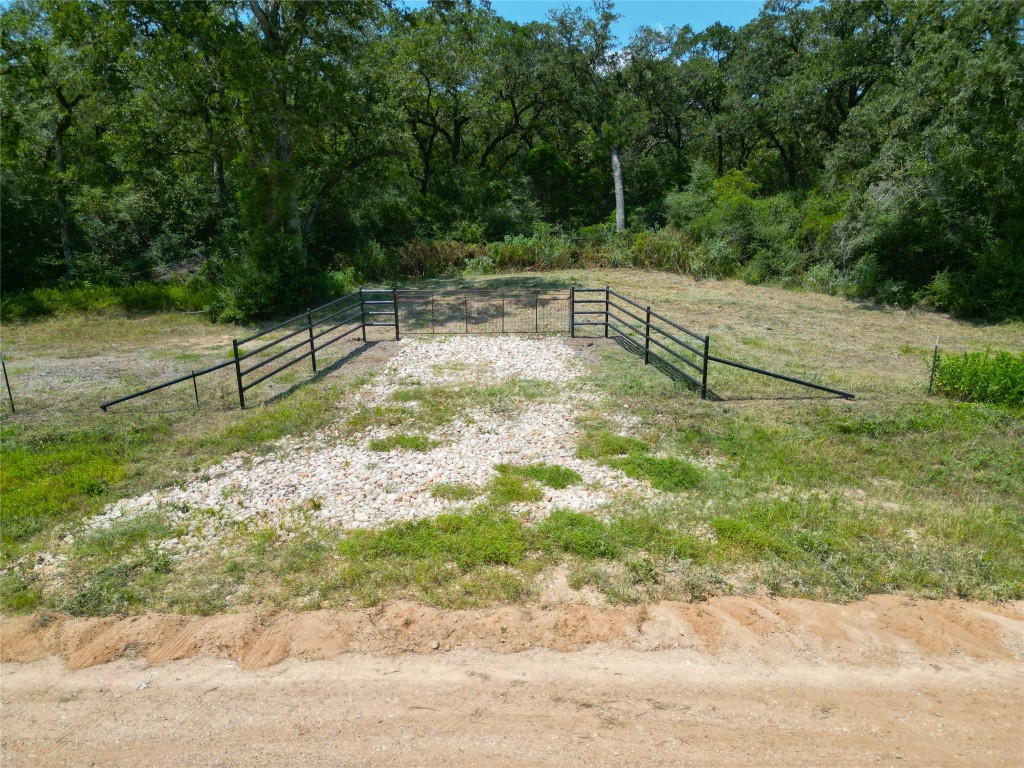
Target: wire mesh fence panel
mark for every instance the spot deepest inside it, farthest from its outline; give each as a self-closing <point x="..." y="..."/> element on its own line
<point x="479" y="312"/>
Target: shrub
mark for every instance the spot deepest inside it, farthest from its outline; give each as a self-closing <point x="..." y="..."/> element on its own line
<point x="139" y="297"/>
<point x="665" y="249"/>
<point x="982" y="377"/>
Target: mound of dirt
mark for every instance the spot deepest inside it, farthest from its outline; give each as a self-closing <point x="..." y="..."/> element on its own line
<point x="881" y="630"/>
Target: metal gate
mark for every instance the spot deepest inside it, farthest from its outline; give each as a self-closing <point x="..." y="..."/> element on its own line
<point x="479" y="310"/>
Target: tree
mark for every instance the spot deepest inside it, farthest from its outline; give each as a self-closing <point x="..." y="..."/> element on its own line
<point x="55" y="58"/>
<point x="593" y="87"/>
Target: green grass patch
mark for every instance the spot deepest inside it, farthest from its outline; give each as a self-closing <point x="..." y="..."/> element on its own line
<point x="511" y="489"/>
<point x="982" y="377"/>
<point x="550" y="475"/>
<point x="454" y="491"/>
<point x="51" y="476"/>
<point x="664" y="473"/>
<point x="118" y="569"/>
<point x="403" y="443"/>
<point x="141" y="297"/>
<point x="578" y="534"/>
<point x="603" y="444"/>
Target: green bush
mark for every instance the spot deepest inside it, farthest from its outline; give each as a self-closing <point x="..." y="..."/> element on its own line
<point x="982" y="377"/>
<point x="141" y="297"/>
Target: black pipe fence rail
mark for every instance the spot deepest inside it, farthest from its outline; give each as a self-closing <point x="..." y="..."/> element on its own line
<point x="670" y="347"/>
<point x="672" y="351"/>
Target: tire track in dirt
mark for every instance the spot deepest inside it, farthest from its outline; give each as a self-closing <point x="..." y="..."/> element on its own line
<point x="878" y="630"/>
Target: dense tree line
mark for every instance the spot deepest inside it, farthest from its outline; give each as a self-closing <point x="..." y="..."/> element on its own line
<point x="874" y="147"/>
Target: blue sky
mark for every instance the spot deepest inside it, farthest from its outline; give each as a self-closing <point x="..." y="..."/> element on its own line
<point x="635" y="13"/>
<point x="643" y="13"/>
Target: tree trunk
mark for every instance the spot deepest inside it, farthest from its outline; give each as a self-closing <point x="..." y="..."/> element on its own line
<point x="620" y="197"/>
<point x="62" y="195"/>
<point x="284" y="157"/>
<point x="219" y="186"/>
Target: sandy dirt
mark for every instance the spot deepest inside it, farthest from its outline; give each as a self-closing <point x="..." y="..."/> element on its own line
<point x="734" y="681"/>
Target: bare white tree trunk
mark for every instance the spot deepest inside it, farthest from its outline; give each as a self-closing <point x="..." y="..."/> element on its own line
<point x="620" y="197"/>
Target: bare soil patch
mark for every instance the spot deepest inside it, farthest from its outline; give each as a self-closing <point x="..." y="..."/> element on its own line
<point x="880" y="630"/>
<point x="732" y="682"/>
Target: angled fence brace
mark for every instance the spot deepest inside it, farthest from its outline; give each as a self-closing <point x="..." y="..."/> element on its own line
<point x="7" y="383"/>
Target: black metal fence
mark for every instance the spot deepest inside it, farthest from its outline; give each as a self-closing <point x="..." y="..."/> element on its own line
<point x="482" y="311"/>
<point x="676" y="350"/>
<point x="664" y="343"/>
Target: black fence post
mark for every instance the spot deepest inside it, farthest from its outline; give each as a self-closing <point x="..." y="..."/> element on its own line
<point x="536" y="312"/>
<point x="704" y="374"/>
<point x="607" y="299"/>
<point x="647" y="338"/>
<point x="503" y="313"/>
<point x="572" y="311"/>
<point x="394" y="300"/>
<point x="195" y="389"/>
<point x="362" y="312"/>
<point x="465" y="308"/>
<point x="238" y="375"/>
<point x="931" y="379"/>
<point x="7" y="383"/>
<point x="312" y="343"/>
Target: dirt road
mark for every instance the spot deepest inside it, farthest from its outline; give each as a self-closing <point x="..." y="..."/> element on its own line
<point x="732" y="682"/>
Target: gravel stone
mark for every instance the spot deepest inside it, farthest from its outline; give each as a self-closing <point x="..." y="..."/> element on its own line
<point x="320" y="479"/>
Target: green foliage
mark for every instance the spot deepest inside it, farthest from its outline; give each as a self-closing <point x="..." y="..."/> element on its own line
<point x="140" y="297"/>
<point x="982" y="377"/>
<point x="821" y="145"/>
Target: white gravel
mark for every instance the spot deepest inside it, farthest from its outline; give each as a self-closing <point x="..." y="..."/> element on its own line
<point x="324" y="480"/>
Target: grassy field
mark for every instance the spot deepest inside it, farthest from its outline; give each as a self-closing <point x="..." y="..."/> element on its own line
<point x="774" y="488"/>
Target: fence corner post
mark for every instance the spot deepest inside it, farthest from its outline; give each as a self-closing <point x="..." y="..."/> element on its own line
<point x="238" y="375"/>
<point x="704" y="374"/>
<point x="647" y="338"/>
<point x="394" y="301"/>
<point x="312" y="343"/>
<point x="935" y="360"/>
<point x="607" y="300"/>
<point x="362" y="312"/>
<point x="572" y="311"/>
